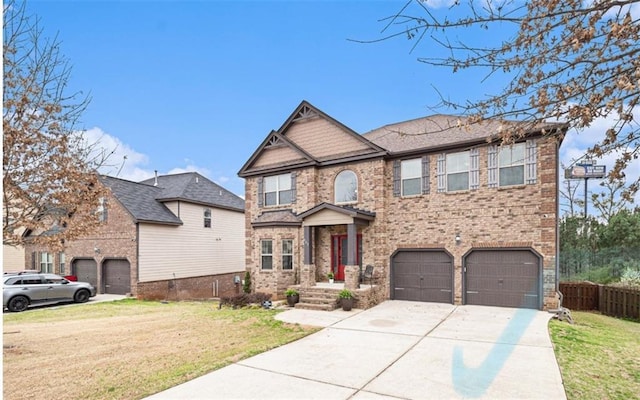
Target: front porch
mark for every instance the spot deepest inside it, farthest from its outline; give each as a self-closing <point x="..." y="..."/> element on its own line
<point x="323" y="296"/>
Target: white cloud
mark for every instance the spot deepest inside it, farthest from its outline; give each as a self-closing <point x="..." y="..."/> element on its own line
<point x="190" y="168"/>
<point x="438" y="3"/>
<point x="123" y="161"/>
<point x="127" y="163"/>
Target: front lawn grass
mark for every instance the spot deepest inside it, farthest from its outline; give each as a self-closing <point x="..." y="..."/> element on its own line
<point x="129" y="349"/>
<point x="599" y="356"/>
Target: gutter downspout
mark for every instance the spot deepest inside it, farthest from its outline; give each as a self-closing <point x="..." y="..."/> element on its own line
<point x="557" y="283"/>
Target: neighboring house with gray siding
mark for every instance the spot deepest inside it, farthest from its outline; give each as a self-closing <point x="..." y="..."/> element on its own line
<point x="170" y="237"/>
<point x="442" y="210"/>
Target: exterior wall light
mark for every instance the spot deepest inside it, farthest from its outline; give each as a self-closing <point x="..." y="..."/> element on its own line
<point x="458" y="239"/>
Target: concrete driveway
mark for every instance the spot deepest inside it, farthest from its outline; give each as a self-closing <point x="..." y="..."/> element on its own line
<point x="397" y="350"/>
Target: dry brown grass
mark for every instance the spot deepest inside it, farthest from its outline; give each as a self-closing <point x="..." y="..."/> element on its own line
<point x="129" y="349"/>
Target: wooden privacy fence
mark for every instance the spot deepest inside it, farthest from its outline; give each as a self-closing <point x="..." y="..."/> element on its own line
<point x="621" y="302"/>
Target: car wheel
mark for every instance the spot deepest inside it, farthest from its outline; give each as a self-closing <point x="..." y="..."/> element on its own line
<point x="82" y="296"/>
<point x="18" y="303"/>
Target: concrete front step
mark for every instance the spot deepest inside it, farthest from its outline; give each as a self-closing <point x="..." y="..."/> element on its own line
<point x="317" y="307"/>
<point x="318" y="300"/>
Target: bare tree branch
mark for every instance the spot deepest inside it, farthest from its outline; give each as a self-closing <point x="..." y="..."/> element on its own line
<point x="51" y="187"/>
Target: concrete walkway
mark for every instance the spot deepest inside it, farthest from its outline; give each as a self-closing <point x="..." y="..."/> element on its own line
<point x="397" y="350"/>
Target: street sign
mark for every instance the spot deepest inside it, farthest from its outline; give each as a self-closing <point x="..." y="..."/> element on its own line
<point x="582" y="171"/>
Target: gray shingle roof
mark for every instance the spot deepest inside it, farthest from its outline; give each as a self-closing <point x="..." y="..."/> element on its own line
<point x="145" y="201"/>
<point x="140" y="201"/>
<point x="440" y="131"/>
<point x="193" y="187"/>
<point x="277" y="217"/>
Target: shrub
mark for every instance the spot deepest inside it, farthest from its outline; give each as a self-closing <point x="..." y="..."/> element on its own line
<point x="244" y="299"/>
<point x="630" y="277"/>
<point x="246" y="287"/>
<point x="291" y="292"/>
<point x="345" y="294"/>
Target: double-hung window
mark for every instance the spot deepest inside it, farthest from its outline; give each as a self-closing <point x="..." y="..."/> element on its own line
<point x="511" y="164"/>
<point x="458" y="171"/>
<point x="411" y="175"/>
<point x="266" y="254"/>
<point x="287" y="254"/>
<point x="277" y="190"/>
<point x="46" y="262"/>
<point x="61" y="263"/>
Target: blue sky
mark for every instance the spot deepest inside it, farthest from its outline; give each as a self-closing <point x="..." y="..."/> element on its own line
<point x="197" y="85"/>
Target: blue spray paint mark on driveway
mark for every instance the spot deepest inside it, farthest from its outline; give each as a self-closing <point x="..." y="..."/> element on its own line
<point x="474" y="382"/>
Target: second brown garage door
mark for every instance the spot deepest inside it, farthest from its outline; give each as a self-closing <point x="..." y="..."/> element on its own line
<point x="116" y="275"/>
<point x="422" y="275"/>
<point x="505" y="278"/>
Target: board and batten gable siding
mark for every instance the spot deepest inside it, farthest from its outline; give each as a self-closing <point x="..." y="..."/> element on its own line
<point x="321" y="138"/>
<point x="192" y="250"/>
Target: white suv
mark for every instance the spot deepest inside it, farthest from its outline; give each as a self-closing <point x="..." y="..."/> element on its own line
<point x="21" y="290"/>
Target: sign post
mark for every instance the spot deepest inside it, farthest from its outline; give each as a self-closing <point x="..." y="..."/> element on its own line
<point x="585" y="170"/>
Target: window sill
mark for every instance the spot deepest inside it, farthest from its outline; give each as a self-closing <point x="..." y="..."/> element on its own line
<point x="518" y="186"/>
<point x="465" y="191"/>
<point x="288" y="205"/>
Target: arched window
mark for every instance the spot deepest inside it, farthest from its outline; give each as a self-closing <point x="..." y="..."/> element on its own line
<point x="346" y="187"/>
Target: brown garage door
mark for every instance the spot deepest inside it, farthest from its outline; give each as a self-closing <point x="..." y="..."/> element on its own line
<point x="86" y="270"/>
<point x="422" y="275"/>
<point x="505" y="278"/>
<point x="116" y="275"/>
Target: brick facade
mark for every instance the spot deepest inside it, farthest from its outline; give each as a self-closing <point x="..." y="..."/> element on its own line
<point x="511" y="223"/>
<point x="116" y="238"/>
<point x="196" y="288"/>
<point x="521" y="216"/>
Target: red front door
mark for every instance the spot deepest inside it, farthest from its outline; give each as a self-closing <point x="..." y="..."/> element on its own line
<point x="339" y="254"/>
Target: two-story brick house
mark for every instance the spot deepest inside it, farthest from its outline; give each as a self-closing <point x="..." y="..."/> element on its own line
<point x="442" y="210"/>
<point x="178" y="236"/>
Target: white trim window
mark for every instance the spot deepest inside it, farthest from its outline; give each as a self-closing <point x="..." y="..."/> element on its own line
<point x="287" y="254"/>
<point x="46" y="262"/>
<point x="266" y="254"/>
<point x="411" y="176"/>
<point x="61" y="263"/>
<point x="511" y="164"/>
<point x="458" y="171"/>
<point x="207" y="218"/>
<point x="277" y="190"/>
<point x="346" y="187"/>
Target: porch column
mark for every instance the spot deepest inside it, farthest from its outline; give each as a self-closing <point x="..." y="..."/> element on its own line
<point x="351" y="277"/>
<point x="308" y="246"/>
<point x="352" y="247"/>
<point x="307" y="275"/>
